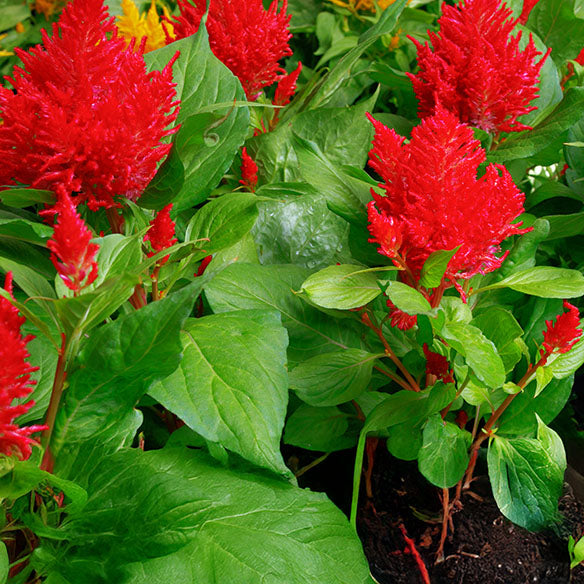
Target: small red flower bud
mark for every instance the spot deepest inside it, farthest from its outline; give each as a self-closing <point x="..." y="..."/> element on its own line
<point x="287" y="86"/>
<point x="437" y="365"/>
<point x="72" y="253"/>
<point x="161" y="233"/>
<point x="562" y="335"/>
<point x="249" y="171"/>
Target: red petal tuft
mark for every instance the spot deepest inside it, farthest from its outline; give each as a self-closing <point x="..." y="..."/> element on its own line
<point x="475" y="68"/>
<point x="249" y="171"/>
<point x="437" y="365"/>
<point x="243" y="35"/>
<point x="86" y="117"/>
<point x="161" y="232"/>
<point x="562" y="335"/>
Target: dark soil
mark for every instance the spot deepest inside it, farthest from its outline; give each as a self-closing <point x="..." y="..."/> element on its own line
<point x="484" y="548"/>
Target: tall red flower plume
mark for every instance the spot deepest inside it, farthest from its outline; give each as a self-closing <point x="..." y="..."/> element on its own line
<point x="72" y="253"/>
<point x="562" y="335"/>
<point x="86" y="117"/>
<point x="243" y="35"/>
<point x="15" y="381"/>
<point x="161" y="233"/>
<point x="434" y="201"/>
<point x="475" y="68"/>
<point x="249" y="171"/>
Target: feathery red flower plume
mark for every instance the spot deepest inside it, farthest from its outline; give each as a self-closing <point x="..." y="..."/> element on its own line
<point x="72" y="253"/>
<point x="161" y="233"/>
<point x="562" y="335"/>
<point x="249" y="171"/>
<point x="15" y="381"/>
<point x="243" y="35"/>
<point x="433" y="200"/>
<point x="86" y="117"/>
<point x="476" y="69"/>
<point x="437" y="365"/>
<point x="287" y="86"/>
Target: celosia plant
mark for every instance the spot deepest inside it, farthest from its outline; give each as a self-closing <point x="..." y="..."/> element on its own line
<point x="86" y="119"/>
<point x="475" y="68"/>
<point x="244" y="36"/>
<point x="434" y="200"/>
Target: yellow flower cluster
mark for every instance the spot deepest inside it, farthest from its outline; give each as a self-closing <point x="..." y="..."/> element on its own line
<point x="363" y="4"/>
<point x="133" y="25"/>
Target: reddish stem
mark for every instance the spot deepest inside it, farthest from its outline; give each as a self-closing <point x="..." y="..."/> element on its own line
<point x="411" y="548"/>
<point x="370" y="447"/>
<point x="445" y="519"/>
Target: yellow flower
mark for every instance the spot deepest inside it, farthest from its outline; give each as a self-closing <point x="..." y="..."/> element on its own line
<point x="363" y="4"/>
<point x="133" y="25"/>
<point x="19" y="27"/>
<point x="4" y="53"/>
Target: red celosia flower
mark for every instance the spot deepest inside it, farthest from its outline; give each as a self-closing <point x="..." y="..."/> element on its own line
<point x="562" y="335"/>
<point x="287" y="86"/>
<point x="15" y="381"/>
<point x="475" y="68"/>
<point x="400" y="319"/>
<point x="243" y="35"/>
<point x="249" y="171"/>
<point x="437" y="365"/>
<point x="434" y="201"/>
<point x="86" y="117"/>
<point x="527" y="8"/>
<point x="161" y="233"/>
<point x="72" y="253"/>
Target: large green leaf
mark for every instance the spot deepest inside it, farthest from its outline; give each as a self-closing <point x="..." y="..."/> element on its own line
<point x="297" y="227"/>
<point x="544" y="281"/>
<point x="556" y="24"/>
<point x="20" y="198"/>
<point x="239" y="402"/>
<point x="252" y="286"/>
<point x="12" y="12"/>
<point x="342" y="287"/>
<point x="177" y="512"/>
<point x="443" y="457"/>
<point x="324" y="429"/>
<point x="118" y="363"/>
<point x="527" y="476"/>
<point x="23" y="230"/>
<point x="223" y="222"/>
<point x="479" y="352"/>
<point x="333" y="378"/>
<point x="202" y="80"/>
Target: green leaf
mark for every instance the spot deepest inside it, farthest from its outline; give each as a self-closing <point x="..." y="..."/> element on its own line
<point x="202" y="80"/>
<point x="543" y="281"/>
<point x="297" y="227"/>
<point x="566" y="364"/>
<point x="576" y="552"/>
<point x="166" y="183"/>
<point x="176" y="511"/>
<point x="118" y="363"/>
<point x="4" y="563"/>
<point x="407" y="298"/>
<point x="479" y="352"/>
<point x="435" y="266"/>
<point x="20" y="198"/>
<point x="240" y="403"/>
<point x="339" y="74"/>
<point x="252" y="286"/>
<point x="526" y="144"/>
<point x="223" y="221"/>
<point x="12" y="12"/>
<point x="443" y="457"/>
<point x="527" y="476"/>
<point x="333" y="378"/>
<point x="556" y="24"/>
<point x="342" y="287"/>
<point x="324" y="429"/>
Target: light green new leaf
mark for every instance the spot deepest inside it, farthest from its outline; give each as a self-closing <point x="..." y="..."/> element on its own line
<point x="407" y="298"/>
<point x="435" y="266"/>
<point x="342" y="287"/>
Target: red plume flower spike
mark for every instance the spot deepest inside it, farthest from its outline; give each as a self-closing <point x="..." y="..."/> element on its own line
<point x="249" y="171"/>
<point x="86" y="117"/>
<point x="437" y="365"/>
<point x="287" y="86"/>
<point x="475" y="68"/>
<point x="161" y="233"/>
<point x="562" y="335"/>
<point x="433" y="200"/>
<point x="72" y="253"/>
<point x="15" y="381"/>
<point x="243" y="35"/>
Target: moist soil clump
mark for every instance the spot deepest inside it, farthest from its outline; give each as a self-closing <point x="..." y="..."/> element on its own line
<point x="484" y="546"/>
